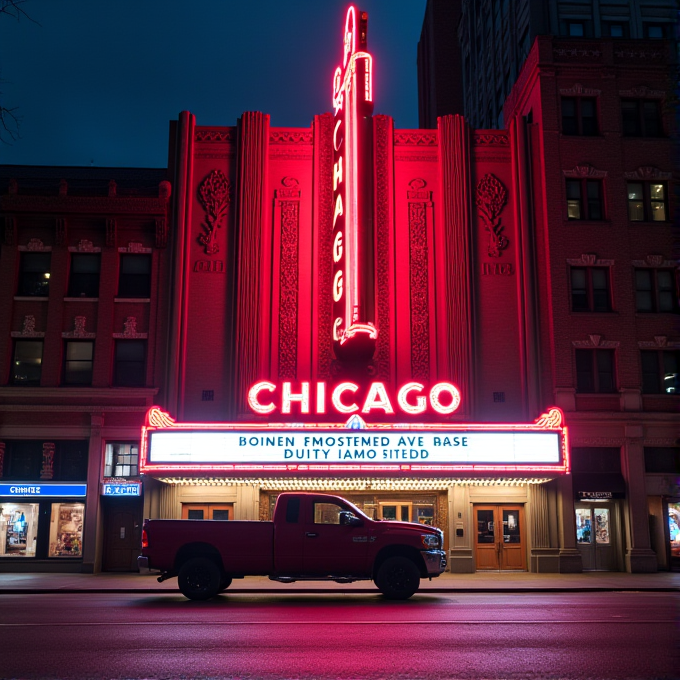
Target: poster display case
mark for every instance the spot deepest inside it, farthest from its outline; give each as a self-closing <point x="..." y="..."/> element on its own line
<point x="18" y="529"/>
<point x="66" y="530"/>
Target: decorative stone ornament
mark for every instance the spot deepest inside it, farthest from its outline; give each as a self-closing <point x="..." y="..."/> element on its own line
<point x="214" y="194"/>
<point x="491" y="198"/>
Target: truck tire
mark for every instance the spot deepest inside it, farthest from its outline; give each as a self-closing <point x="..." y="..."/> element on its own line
<point x="398" y="578"/>
<point x="199" y="579"/>
<point x="225" y="582"/>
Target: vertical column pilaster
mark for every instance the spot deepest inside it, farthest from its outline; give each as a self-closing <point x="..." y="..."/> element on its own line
<point x="93" y="532"/>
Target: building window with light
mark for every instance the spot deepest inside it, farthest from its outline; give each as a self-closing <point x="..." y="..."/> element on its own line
<point x="121" y="459"/>
<point x="579" y="116"/>
<point x="27" y="363"/>
<point x="134" y="280"/>
<point x="34" y="274"/>
<point x="660" y="372"/>
<point x="84" y="275"/>
<point x="584" y="199"/>
<point x="590" y="289"/>
<point x="655" y="290"/>
<point x="78" y="362"/>
<point x="595" y="371"/>
<point x="647" y="202"/>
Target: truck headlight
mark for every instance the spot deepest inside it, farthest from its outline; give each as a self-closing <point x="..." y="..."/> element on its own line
<point x="431" y="541"/>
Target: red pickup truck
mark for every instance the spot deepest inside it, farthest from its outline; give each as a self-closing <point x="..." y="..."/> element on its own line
<point x="313" y="537"/>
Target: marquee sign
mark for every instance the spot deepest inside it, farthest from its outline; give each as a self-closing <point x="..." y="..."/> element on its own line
<point x="171" y="447"/>
<point x="354" y="333"/>
<point x="43" y="490"/>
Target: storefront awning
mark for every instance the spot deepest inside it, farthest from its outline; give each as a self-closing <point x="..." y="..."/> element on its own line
<point x="599" y="485"/>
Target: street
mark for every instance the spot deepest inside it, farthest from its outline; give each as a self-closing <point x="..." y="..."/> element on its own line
<point x="433" y="635"/>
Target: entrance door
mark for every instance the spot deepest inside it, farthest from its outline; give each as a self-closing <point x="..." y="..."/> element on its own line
<point x="222" y="511"/>
<point x="596" y="535"/>
<point x="500" y="543"/>
<point x="400" y="511"/>
<point x="122" y="521"/>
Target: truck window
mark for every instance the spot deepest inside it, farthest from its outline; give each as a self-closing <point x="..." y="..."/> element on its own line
<point x="327" y="513"/>
<point x="293" y="510"/>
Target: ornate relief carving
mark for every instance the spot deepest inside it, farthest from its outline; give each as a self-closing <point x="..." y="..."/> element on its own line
<point x="383" y="144"/>
<point x="416" y="138"/>
<point x="659" y="342"/>
<point x="416" y="159"/>
<point x="85" y="246"/>
<point x="418" y="285"/>
<point x="655" y="262"/>
<point x="491" y="197"/>
<point x="10" y="231"/>
<point x="283" y="136"/>
<point x="130" y="330"/>
<point x="656" y="441"/>
<point x="640" y="55"/>
<point x="78" y="331"/>
<point x="215" y="196"/>
<point x="60" y="236"/>
<point x="595" y="341"/>
<point x="579" y="90"/>
<point x="161" y="232"/>
<point x="135" y="247"/>
<point x="222" y="135"/>
<point x="648" y="172"/>
<point x="642" y="92"/>
<point x="598" y="441"/>
<point x="584" y="170"/>
<point x="289" y="275"/>
<point x="580" y="53"/>
<point x="28" y="329"/>
<point x="589" y="260"/>
<point x="47" y="470"/>
<point x="110" y="232"/>
<point x="325" y="275"/>
<point x="164" y="190"/>
<point x="550" y="420"/>
<point x="487" y="138"/>
<point x="36" y="245"/>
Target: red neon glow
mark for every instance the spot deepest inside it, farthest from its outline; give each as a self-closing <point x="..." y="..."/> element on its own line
<point x="377" y="398"/>
<point x="338" y="404"/>
<point x="404" y="405"/>
<point x="553" y="421"/>
<point x="253" y="397"/>
<point x="446" y="388"/>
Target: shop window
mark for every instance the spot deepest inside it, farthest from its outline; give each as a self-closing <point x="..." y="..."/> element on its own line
<point x="66" y="530"/>
<point x="655" y="290"/>
<point x="615" y="29"/>
<point x="130" y="363"/>
<point x="660" y="372"/>
<point x="84" y="276"/>
<point x="641" y="117"/>
<point x="647" y="202"/>
<point x="18" y="529"/>
<point x="595" y="371"/>
<point x="135" y="276"/>
<point x="584" y="199"/>
<point x="590" y="289"/>
<point x="70" y="460"/>
<point x="121" y="459"/>
<point x="79" y="357"/>
<point x="34" y="274"/>
<point x="27" y="363"/>
<point x="674" y="529"/>
<point x="579" y="116"/>
<point x="662" y="460"/>
<point x="23" y="460"/>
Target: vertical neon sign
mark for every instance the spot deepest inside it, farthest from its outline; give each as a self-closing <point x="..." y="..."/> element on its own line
<point x="354" y="333"/>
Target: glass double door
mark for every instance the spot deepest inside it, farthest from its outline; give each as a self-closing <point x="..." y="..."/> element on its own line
<point x="500" y="544"/>
<point x="596" y="536"/>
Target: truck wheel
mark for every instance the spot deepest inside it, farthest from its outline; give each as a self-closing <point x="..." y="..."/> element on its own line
<point x="199" y="579"/>
<point x="225" y="582"/>
<point x="398" y="578"/>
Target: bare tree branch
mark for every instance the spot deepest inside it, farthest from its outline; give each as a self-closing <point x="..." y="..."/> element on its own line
<point x="14" y="9"/>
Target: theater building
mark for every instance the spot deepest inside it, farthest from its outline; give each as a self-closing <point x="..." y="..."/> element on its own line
<point x="467" y="328"/>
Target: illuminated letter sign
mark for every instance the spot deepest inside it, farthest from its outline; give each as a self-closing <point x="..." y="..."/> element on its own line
<point x="354" y="333"/>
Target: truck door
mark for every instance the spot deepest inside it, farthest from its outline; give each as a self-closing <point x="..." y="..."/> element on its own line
<point x="289" y="537"/>
<point x="331" y="548"/>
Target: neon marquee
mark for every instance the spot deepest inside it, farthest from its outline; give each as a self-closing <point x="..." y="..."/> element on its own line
<point x="171" y="447"/>
<point x="354" y="333"/>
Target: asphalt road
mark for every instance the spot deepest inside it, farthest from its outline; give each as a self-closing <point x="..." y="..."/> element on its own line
<point x="510" y="636"/>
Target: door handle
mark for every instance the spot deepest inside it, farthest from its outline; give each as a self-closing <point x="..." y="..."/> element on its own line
<point x="310" y="534"/>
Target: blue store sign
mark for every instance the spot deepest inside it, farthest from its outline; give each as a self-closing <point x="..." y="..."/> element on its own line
<point x="132" y="489"/>
<point x="40" y="489"/>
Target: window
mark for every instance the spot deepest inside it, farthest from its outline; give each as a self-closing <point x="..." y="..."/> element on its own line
<point x="78" y="363"/>
<point x="20" y="522"/>
<point x="615" y="29"/>
<point x="293" y="510"/>
<point x="660" y="372"/>
<point x="27" y="364"/>
<point x="84" y="278"/>
<point x="579" y="116"/>
<point x="327" y="513"/>
<point x="655" y="290"/>
<point x="121" y="459"/>
<point x="659" y="459"/>
<point x="647" y="202"/>
<point x="641" y="117"/>
<point x="596" y="459"/>
<point x="590" y="289"/>
<point x="575" y="29"/>
<point x="34" y="275"/>
<point x="130" y="363"/>
<point x="66" y="530"/>
<point x="595" y="371"/>
<point x="655" y="31"/>
<point x="135" y="276"/>
<point x="584" y="199"/>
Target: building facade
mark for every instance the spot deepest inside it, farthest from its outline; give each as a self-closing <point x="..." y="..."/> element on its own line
<point x="477" y="48"/>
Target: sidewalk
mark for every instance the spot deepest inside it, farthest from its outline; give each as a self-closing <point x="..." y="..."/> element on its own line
<point x="514" y="582"/>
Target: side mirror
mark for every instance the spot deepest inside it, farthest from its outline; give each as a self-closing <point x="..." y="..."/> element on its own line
<point x="349" y="519"/>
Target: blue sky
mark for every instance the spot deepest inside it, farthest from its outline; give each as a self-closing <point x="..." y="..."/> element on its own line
<point x="97" y="82"/>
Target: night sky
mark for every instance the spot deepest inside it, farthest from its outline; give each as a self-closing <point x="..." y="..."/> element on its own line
<point x="97" y="81"/>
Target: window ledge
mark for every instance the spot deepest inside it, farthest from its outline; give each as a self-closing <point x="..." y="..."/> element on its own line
<point x="81" y="299"/>
<point x="37" y="298"/>
<point x="649" y="223"/>
<point x="646" y="315"/>
<point x="592" y="314"/>
<point x="119" y="299"/>
<point x="589" y="223"/>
